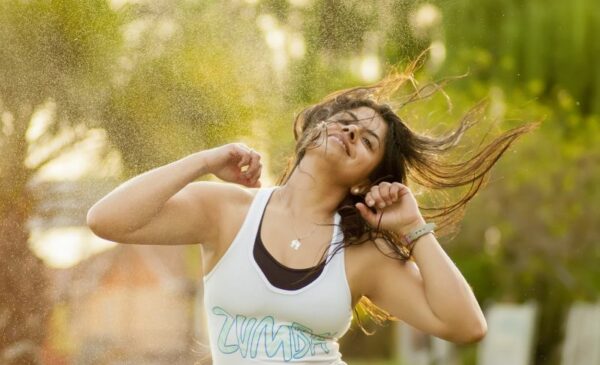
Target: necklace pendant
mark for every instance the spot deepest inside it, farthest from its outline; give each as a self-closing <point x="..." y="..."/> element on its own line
<point x="295" y="244"/>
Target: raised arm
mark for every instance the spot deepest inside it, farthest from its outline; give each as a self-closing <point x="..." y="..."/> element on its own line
<point x="165" y="206"/>
<point x="430" y="293"/>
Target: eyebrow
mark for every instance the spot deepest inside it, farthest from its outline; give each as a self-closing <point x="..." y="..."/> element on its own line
<point x="366" y="129"/>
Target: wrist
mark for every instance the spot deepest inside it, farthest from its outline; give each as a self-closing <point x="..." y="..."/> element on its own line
<point x="200" y="162"/>
<point x="407" y="228"/>
<point x="413" y="232"/>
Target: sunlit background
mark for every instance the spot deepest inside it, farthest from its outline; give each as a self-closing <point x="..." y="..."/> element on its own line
<point x="93" y="92"/>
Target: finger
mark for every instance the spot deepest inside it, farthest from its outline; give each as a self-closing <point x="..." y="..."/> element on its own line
<point x="395" y="192"/>
<point x="379" y="202"/>
<point x="366" y="213"/>
<point x="252" y="183"/>
<point x="369" y="199"/>
<point x="254" y="164"/>
<point x="256" y="174"/>
<point x="400" y="185"/>
<point x="246" y="156"/>
<point x="402" y="189"/>
<point x="384" y="191"/>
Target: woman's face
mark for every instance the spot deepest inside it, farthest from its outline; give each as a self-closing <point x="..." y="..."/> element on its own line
<point x="355" y="143"/>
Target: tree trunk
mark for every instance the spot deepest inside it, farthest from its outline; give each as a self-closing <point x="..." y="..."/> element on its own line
<point x="24" y="300"/>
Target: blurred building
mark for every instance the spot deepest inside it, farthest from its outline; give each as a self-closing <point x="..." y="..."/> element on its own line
<point x="129" y="305"/>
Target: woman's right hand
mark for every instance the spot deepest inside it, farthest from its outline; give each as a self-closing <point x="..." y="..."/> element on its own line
<point x="226" y="163"/>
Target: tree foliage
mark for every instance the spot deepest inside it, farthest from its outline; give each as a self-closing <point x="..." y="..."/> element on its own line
<point x="167" y="78"/>
<point x="52" y="52"/>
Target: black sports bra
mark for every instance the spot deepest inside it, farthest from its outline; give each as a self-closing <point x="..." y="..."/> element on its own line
<point x="279" y="275"/>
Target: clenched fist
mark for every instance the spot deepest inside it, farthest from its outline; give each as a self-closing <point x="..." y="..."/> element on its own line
<point x="236" y="163"/>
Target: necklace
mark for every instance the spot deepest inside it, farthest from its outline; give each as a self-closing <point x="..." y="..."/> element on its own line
<point x="295" y="243"/>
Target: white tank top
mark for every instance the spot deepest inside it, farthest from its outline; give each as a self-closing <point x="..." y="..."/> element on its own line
<point x="250" y="321"/>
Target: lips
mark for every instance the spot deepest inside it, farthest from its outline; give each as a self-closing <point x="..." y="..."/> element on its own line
<point x="342" y="141"/>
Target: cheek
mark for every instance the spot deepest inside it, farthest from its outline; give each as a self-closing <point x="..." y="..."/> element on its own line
<point x="372" y="159"/>
<point x="374" y="164"/>
<point x="362" y="166"/>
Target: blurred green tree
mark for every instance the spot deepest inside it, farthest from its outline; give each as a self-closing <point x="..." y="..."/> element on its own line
<point x="191" y="78"/>
<point x="55" y="52"/>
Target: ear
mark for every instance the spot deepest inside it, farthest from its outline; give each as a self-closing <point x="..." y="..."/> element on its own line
<point x="360" y="188"/>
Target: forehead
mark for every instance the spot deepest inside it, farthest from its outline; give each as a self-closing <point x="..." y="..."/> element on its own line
<point x="365" y="116"/>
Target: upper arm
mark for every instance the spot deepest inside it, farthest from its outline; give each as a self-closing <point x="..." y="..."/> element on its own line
<point x="193" y="215"/>
<point x="397" y="287"/>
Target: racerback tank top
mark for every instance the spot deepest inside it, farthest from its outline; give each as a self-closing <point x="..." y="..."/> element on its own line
<point x="251" y="321"/>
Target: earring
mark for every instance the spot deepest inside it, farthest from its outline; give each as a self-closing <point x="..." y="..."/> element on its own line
<point x="355" y="190"/>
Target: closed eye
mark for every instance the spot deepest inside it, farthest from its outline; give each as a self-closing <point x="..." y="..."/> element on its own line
<point x="366" y="140"/>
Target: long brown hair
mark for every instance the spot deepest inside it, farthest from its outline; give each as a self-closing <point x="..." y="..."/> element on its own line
<point x="409" y="158"/>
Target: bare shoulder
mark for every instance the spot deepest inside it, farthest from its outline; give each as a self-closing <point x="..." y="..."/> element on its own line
<point x="362" y="260"/>
<point x="371" y="252"/>
<point x="222" y="204"/>
<point x="228" y="220"/>
<point x="366" y="263"/>
<point x="220" y="199"/>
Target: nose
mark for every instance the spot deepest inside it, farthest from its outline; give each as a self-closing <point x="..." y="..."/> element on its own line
<point x="351" y="130"/>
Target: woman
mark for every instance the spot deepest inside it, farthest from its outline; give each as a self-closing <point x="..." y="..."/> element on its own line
<point x="285" y="266"/>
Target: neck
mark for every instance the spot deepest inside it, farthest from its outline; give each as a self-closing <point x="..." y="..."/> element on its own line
<point x="309" y="195"/>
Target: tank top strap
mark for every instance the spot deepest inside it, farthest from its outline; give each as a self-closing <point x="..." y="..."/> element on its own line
<point x="250" y="225"/>
<point x="249" y="228"/>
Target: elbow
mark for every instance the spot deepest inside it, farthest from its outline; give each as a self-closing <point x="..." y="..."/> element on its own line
<point x="108" y="228"/>
<point x="97" y="225"/>
<point x="91" y="219"/>
<point x="93" y="222"/>
<point x="473" y="333"/>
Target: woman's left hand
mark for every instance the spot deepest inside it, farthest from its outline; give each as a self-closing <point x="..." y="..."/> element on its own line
<point x="397" y="202"/>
